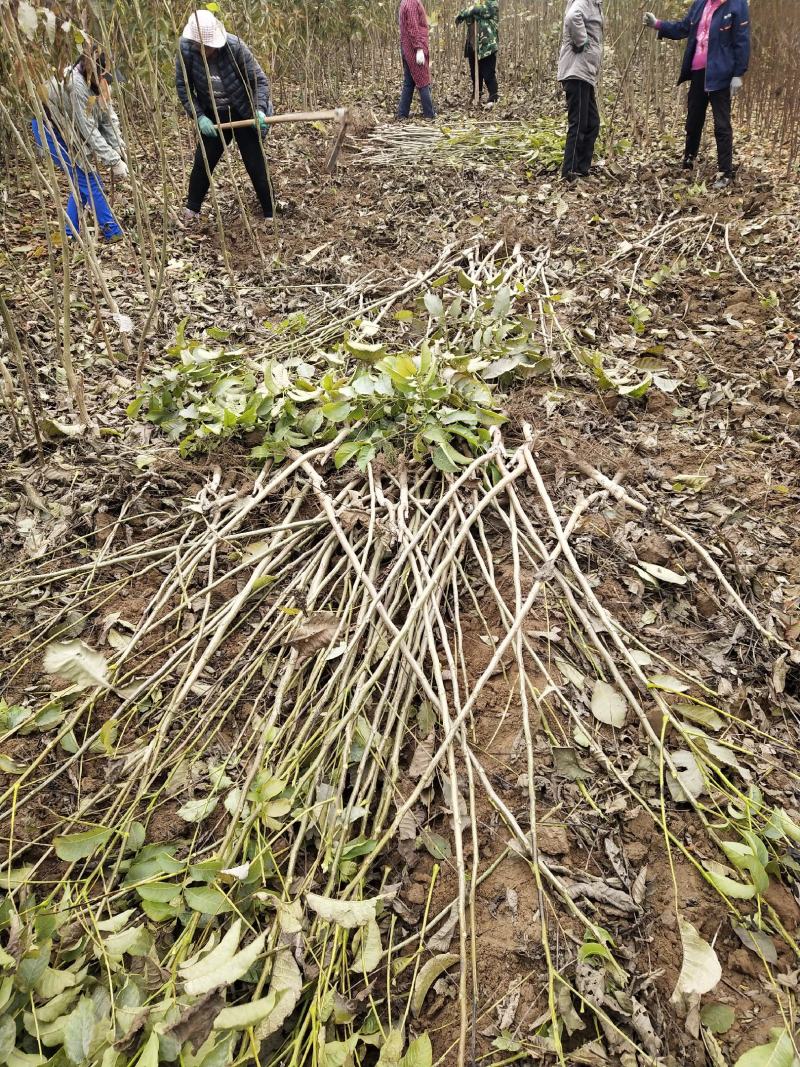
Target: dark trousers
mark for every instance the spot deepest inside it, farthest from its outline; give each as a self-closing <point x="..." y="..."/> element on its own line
<point x="407" y="92"/>
<point x="583" y="126"/>
<point x="248" y="139"/>
<point x="487" y="72"/>
<point x="720" y="102"/>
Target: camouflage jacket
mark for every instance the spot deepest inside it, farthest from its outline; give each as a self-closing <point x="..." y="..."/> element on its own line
<point x="486" y="14"/>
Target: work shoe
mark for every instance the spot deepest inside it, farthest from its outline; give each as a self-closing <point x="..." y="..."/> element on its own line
<point x="190" y="219"/>
<point x="688" y="163"/>
<point x="724" y="181"/>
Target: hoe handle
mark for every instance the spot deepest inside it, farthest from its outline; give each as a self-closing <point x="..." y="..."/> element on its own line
<point x="291" y="116"/>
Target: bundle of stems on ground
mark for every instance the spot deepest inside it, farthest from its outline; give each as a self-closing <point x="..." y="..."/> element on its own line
<point x="539" y="144"/>
<point x="208" y="850"/>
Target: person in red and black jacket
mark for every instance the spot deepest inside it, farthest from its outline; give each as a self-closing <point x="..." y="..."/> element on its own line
<point x="717" y="35"/>
<point x="415" y="50"/>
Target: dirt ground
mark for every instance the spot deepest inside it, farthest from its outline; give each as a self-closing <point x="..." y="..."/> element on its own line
<point x="716" y="449"/>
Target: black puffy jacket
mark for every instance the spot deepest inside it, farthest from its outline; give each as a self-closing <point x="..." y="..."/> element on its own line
<point x="245" y="82"/>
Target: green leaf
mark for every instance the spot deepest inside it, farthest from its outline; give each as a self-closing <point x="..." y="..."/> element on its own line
<point x="25" y="1059"/>
<point x="79" y="1031"/>
<point x="160" y="892"/>
<point x="743" y="859"/>
<point x="442" y="461"/>
<point x="216" y="957"/>
<point x="420" y="1053"/>
<point x="778" y="1053"/>
<point x="499" y="367"/>
<point x="115" y="923"/>
<point x="136" y="941"/>
<point x="594" y="948"/>
<point x="368" y="948"/>
<point x="370" y="353"/>
<point x="637" y="390"/>
<point x="345" y="913"/>
<point x="392" y="1049"/>
<point x="669" y="683"/>
<point x="787" y="826"/>
<point x="149" y="1053"/>
<point x="8" y="1037"/>
<point x="243" y="1016"/>
<point x="203" y="977"/>
<point x="701" y="714"/>
<point x="345" y="452"/>
<point x="731" y="888"/>
<point x="428" y="973"/>
<point x="436" y="845"/>
<point x="207" y="900"/>
<point x="338" y="1053"/>
<point x="717" y="1017"/>
<point x="51" y="982"/>
<point x="73" y="847"/>
<point x="197" y="810"/>
<point x="506" y="1043"/>
<point x="31" y="969"/>
<point x="286" y="983"/>
<point x="502" y="302"/>
<point x="136" y="836"/>
<point x="434" y="305"/>
<point x="337" y="410"/>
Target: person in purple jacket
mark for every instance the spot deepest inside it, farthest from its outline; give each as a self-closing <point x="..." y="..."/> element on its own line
<point x="717" y="35"/>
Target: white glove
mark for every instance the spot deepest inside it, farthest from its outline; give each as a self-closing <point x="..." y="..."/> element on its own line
<point x="650" y="19"/>
<point x="736" y="84"/>
<point x="120" y="170"/>
<point x="420" y="58"/>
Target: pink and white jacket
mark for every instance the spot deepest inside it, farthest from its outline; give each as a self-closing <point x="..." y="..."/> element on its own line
<point x="413" y="35"/>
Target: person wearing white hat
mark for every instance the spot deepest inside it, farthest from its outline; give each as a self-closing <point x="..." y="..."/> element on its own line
<point x="219" y="80"/>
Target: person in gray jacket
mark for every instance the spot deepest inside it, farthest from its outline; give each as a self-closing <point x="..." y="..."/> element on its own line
<point x="578" y="70"/>
<point x="80" y="128"/>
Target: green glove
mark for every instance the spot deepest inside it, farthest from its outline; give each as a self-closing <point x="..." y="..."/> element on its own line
<point x="262" y="121"/>
<point x="207" y="127"/>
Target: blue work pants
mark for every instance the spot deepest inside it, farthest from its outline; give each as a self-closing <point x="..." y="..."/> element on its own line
<point x="407" y="92"/>
<point x="86" y="185"/>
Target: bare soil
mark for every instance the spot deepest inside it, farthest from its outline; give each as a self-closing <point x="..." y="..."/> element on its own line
<point x="719" y="453"/>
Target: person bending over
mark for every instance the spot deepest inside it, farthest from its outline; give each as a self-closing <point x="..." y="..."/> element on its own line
<point x="80" y="127"/>
<point x="219" y="80"/>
